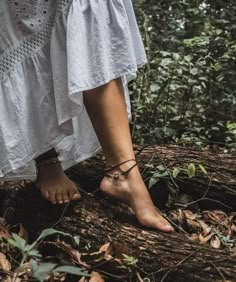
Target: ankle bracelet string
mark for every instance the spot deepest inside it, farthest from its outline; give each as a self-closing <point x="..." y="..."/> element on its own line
<point x="116" y="176"/>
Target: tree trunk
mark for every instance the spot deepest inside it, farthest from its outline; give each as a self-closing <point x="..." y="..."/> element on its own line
<point x="218" y="186"/>
<point x="97" y="220"/>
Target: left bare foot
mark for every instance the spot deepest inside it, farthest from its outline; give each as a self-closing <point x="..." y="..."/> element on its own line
<point x="131" y="189"/>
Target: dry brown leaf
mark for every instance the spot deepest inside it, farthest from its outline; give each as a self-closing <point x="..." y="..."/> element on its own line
<point x="107" y="249"/>
<point x="15" y="278"/>
<point x="10" y="279"/>
<point x="215" y="242"/>
<point x="232" y="217"/>
<point x="96" y="277"/>
<point x="76" y="255"/>
<point x="205" y="228"/>
<point x="233" y="227"/>
<point x="194" y="237"/>
<point x="4" y="229"/>
<point x="105" y="261"/>
<point x="5" y="264"/>
<point x="204" y="240"/>
<point x="174" y="216"/>
<point x="215" y="215"/>
<point x="193" y="224"/>
<point x="190" y="215"/>
<point x="181" y="218"/>
<point x="23" y="233"/>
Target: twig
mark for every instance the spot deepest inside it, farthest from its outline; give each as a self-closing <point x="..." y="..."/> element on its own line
<point x="207" y="199"/>
<point x="164" y="164"/>
<point x="61" y="216"/>
<point x="175" y="225"/>
<point x="220" y="273"/>
<point x="203" y="198"/>
<point x="179" y="263"/>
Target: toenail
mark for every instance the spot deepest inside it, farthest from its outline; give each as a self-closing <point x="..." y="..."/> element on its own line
<point x="60" y="202"/>
<point x="169" y="228"/>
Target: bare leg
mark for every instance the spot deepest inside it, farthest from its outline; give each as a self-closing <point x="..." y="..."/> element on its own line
<point x="54" y="185"/>
<point x="107" y="111"/>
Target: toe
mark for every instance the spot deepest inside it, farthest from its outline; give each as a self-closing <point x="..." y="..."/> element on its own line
<point x="45" y="194"/>
<point x="52" y="197"/>
<point x="59" y="197"/>
<point x="65" y="197"/>
<point x="165" y="227"/>
<point x="152" y="219"/>
<point x="74" y="194"/>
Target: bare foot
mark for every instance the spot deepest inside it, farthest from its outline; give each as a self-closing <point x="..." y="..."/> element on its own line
<point x="131" y="189"/>
<point x="55" y="186"/>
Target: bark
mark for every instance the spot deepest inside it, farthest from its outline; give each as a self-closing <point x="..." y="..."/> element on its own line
<point x="98" y="220"/>
<point x="219" y="183"/>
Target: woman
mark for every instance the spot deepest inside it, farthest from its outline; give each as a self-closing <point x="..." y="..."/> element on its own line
<point x="64" y="68"/>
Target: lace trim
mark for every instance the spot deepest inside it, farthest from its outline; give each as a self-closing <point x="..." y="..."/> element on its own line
<point x="33" y="42"/>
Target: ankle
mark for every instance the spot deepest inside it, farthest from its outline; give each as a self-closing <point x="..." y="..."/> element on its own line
<point x="51" y="154"/>
<point x="121" y="170"/>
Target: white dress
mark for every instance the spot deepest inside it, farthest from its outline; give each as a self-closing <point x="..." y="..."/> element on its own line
<point x="50" y="52"/>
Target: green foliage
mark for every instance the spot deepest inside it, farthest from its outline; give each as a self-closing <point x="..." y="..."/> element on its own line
<point x="187" y="92"/>
<point x="41" y="270"/>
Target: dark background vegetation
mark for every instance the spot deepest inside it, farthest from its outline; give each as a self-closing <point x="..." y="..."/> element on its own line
<point x="187" y="92"/>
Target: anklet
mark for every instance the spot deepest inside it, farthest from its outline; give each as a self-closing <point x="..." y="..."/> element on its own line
<point x="116" y="176"/>
<point x="47" y="162"/>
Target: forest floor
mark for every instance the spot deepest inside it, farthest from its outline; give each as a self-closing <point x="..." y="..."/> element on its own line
<point x="95" y="227"/>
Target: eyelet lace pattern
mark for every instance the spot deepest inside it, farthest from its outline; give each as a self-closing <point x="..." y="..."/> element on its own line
<point x="36" y="19"/>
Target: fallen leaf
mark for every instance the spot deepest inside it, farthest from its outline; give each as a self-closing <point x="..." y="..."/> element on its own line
<point x="204" y="240"/>
<point x="190" y="215"/>
<point x="215" y="242"/>
<point x="182" y="219"/>
<point x="76" y="255"/>
<point x="233" y="227"/>
<point x="107" y="249"/>
<point x="4" y="229"/>
<point x="5" y="265"/>
<point x="205" y="228"/>
<point x="23" y="233"/>
<point x="193" y="224"/>
<point x="194" y="237"/>
<point x="96" y="277"/>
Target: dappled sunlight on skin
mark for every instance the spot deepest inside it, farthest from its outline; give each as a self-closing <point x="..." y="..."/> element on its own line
<point x="55" y="186"/>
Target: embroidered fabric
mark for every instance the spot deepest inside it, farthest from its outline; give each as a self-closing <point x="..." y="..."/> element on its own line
<point x="44" y="72"/>
<point x="30" y="14"/>
<point x="36" y="16"/>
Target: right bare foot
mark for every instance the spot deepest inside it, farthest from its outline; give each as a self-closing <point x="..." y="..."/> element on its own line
<point x="130" y="188"/>
<point x="55" y="186"/>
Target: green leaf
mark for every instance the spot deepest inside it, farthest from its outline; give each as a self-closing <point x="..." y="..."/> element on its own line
<point x="17" y="242"/>
<point x="34" y="253"/>
<point x="41" y="271"/>
<point x="191" y="170"/>
<point x="70" y="270"/>
<point x="153" y="181"/>
<point x="48" y="232"/>
<point x="202" y="168"/>
<point x="176" y="172"/>
<point x="51" y="231"/>
<point x="77" y="240"/>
